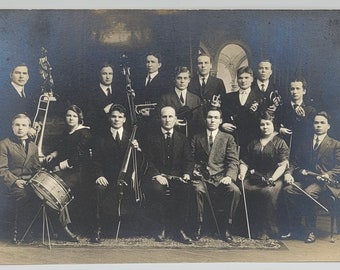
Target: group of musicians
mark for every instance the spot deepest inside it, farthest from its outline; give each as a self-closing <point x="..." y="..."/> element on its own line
<point x="200" y="155"/>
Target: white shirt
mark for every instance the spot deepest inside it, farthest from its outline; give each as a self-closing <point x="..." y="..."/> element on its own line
<point x="205" y="79"/>
<point x="298" y="104"/>
<point x="104" y="87"/>
<point x="321" y="138"/>
<point x="114" y="132"/>
<point x="151" y="75"/>
<point x="213" y="133"/>
<point x="184" y="94"/>
<point x="266" y="82"/>
<point x="19" y="89"/>
<point x="243" y="95"/>
<point x="164" y="131"/>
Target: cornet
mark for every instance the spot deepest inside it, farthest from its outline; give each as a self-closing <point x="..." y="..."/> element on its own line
<point x="144" y="109"/>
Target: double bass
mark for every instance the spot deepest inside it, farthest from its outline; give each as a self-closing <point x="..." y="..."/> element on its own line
<point x="130" y="153"/>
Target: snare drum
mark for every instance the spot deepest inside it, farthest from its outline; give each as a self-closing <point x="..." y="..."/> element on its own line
<point x="51" y="189"/>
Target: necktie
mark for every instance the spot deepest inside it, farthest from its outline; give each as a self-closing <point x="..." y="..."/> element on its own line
<point x="24" y="145"/>
<point x="210" y="139"/>
<point x="181" y="99"/>
<point x="243" y="97"/>
<point x="117" y="139"/>
<point x="317" y="143"/>
<point x="148" y="81"/>
<point x="108" y="91"/>
<point x="262" y="87"/>
<point x="203" y="83"/>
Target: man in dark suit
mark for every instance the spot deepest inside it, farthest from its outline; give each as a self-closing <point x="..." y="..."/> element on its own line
<point x="188" y="106"/>
<point x="16" y="99"/>
<point x="170" y="166"/>
<point x="203" y="84"/>
<point x="241" y="110"/>
<point x="217" y="152"/>
<point x="100" y="99"/>
<point x="19" y="162"/>
<point x="108" y="155"/>
<point x="315" y="167"/>
<point x="296" y="116"/>
<point x="149" y="90"/>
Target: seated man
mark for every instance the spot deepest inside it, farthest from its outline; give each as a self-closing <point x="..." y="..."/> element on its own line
<point x="217" y="152"/>
<point x="19" y="162"/>
<point x="315" y="169"/>
<point x="170" y="166"/>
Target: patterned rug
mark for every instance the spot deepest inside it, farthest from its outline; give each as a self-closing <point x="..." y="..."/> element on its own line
<point x="144" y="242"/>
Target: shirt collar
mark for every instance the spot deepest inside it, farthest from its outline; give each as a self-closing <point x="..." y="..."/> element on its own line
<point x="247" y="91"/>
<point x="293" y="103"/>
<point x="104" y="87"/>
<point x="205" y="77"/>
<point x="321" y="137"/>
<point x="18" y="88"/>
<point x="259" y="83"/>
<point x="120" y="132"/>
<point x="152" y="75"/>
<point x="178" y="92"/>
<point x="213" y="133"/>
<point x="164" y="131"/>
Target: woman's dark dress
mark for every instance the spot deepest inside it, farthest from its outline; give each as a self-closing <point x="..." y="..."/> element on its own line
<point x="262" y="199"/>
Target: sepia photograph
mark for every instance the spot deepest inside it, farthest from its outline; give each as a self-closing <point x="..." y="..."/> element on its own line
<point x="135" y="135"/>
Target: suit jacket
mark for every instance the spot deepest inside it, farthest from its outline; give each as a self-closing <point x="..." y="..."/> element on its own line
<point x="194" y="118"/>
<point x="96" y="102"/>
<point x="12" y="104"/>
<point x="182" y="161"/>
<point x="246" y="121"/>
<point x="151" y="93"/>
<point x="108" y="155"/>
<point x="223" y="156"/>
<point x="15" y="163"/>
<point x="326" y="159"/>
<point x="271" y="87"/>
<point x="213" y="86"/>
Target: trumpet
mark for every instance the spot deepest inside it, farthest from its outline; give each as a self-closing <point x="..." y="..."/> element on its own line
<point x="144" y="109"/>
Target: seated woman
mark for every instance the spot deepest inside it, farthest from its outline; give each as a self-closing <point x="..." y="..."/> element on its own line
<point x="71" y="160"/>
<point x="261" y="168"/>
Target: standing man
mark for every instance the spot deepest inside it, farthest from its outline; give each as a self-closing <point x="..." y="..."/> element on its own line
<point x="100" y="99"/>
<point x="19" y="162"/>
<point x="241" y="110"/>
<point x="314" y="166"/>
<point x="170" y="166"/>
<point x="188" y="106"/>
<point x="108" y="155"/>
<point x="297" y="115"/>
<point x="203" y="84"/>
<point x="16" y="99"/>
<point x="149" y="90"/>
<point x="217" y="152"/>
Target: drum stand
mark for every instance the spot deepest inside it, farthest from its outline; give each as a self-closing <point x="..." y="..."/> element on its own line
<point x="45" y="225"/>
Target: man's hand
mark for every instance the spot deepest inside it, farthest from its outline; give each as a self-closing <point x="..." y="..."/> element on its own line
<point x="254" y="106"/>
<point x="228" y="127"/>
<point x="107" y="108"/>
<point x="145" y="112"/>
<point x="32" y="133"/>
<point x="241" y="176"/>
<point x="226" y="180"/>
<point x="288" y="178"/>
<point x="161" y="179"/>
<point x="272" y="108"/>
<point x="20" y="183"/>
<point x="135" y="144"/>
<point x="186" y="177"/>
<point x="102" y="181"/>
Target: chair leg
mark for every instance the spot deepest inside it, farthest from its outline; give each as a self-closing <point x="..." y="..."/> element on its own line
<point x="15" y="227"/>
<point x="333" y="213"/>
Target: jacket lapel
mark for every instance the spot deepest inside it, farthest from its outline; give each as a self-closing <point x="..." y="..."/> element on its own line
<point x="204" y="142"/>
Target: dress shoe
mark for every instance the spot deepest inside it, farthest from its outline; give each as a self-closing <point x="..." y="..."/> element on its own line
<point x="198" y="233"/>
<point x="227" y="237"/>
<point x="310" y="238"/>
<point x="70" y="236"/>
<point x="286" y="236"/>
<point x="183" y="238"/>
<point x="160" y="237"/>
<point x="97" y="237"/>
